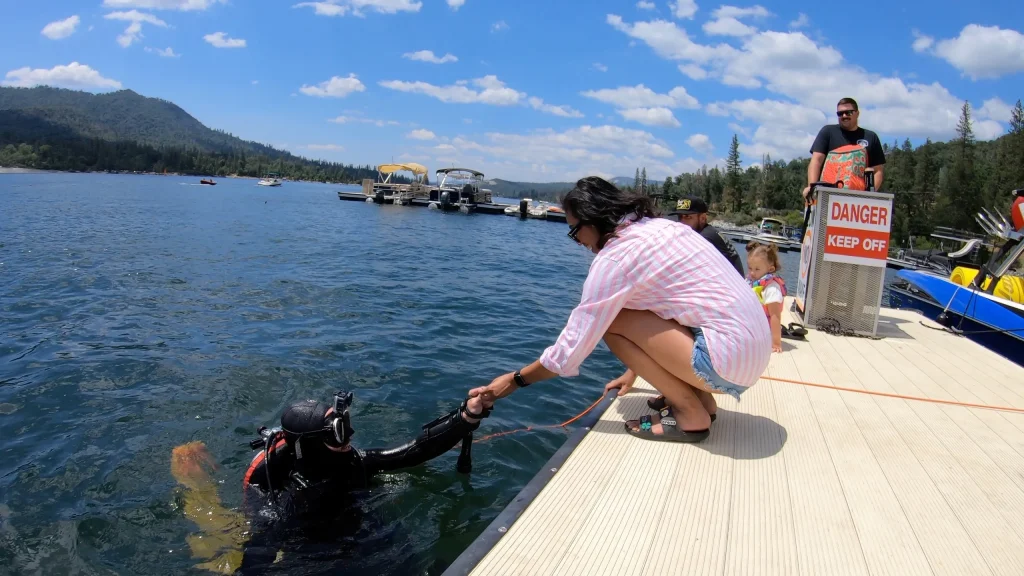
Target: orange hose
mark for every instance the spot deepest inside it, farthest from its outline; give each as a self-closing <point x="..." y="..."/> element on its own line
<point x="788" y="381"/>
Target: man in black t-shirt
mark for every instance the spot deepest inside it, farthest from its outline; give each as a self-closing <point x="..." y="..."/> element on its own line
<point x="694" y="213"/>
<point x="845" y="133"/>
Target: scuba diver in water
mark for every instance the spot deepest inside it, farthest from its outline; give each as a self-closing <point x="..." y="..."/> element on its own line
<point x="301" y="477"/>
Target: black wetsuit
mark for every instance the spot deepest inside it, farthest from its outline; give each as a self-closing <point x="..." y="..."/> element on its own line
<point x="313" y="490"/>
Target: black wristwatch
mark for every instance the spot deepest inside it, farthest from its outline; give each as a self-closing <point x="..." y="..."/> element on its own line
<point x="518" y="379"/>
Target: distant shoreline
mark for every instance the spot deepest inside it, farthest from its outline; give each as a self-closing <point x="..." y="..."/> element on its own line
<point x="17" y="170"/>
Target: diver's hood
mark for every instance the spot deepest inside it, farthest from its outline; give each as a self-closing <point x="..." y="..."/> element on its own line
<point x="311" y="418"/>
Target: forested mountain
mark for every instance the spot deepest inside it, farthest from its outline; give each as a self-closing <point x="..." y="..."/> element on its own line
<point x="58" y="129"/>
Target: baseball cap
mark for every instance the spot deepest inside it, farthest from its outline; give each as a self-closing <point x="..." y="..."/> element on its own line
<point x="689" y="205"/>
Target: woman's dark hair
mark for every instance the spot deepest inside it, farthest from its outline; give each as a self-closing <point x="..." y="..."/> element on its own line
<point x="601" y="204"/>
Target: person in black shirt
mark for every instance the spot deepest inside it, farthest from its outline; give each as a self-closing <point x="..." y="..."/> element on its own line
<point x="845" y="133"/>
<point x="694" y="213"/>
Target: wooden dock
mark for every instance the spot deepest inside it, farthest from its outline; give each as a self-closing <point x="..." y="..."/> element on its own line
<point x="480" y="208"/>
<point x="795" y="479"/>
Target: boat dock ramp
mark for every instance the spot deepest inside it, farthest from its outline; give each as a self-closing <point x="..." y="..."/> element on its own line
<point x="899" y="455"/>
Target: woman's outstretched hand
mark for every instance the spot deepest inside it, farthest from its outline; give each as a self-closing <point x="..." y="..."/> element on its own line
<point x="624" y="383"/>
<point x="498" y="388"/>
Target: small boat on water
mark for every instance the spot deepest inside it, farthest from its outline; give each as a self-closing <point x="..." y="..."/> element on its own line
<point x="773" y="231"/>
<point x="270" y="179"/>
<point x="208" y="181"/>
<point x="459" y="189"/>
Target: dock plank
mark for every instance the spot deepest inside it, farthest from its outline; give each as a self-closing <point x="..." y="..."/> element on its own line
<point x="801" y="480"/>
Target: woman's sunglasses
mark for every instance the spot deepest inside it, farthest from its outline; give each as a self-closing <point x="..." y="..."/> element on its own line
<point x="574" y="231"/>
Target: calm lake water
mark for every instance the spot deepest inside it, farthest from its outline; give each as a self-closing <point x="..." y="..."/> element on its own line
<point x="143" y="312"/>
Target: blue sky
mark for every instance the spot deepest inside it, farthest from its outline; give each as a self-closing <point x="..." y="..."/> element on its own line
<point x="535" y="90"/>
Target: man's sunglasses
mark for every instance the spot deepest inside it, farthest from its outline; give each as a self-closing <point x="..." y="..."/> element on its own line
<point x="574" y="231"/>
<point x="842" y="113"/>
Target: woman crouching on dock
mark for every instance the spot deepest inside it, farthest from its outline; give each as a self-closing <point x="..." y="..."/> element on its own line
<point x="666" y="303"/>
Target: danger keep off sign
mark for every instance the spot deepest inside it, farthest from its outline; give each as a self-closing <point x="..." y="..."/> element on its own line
<point x="858" y="230"/>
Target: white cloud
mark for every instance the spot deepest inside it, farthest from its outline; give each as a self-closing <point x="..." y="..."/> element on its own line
<point x="683" y="8"/>
<point x="756" y="11"/>
<point x="984" y="51"/>
<point x="499" y="26"/>
<point x="325" y="147"/>
<point x="547" y="155"/>
<point x="428" y="56"/>
<point x="801" y="21"/>
<point x="421" y="134"/>
<point x="701" y="143"/>
<point x="336" y="87"/>
<point x="644" y="5"/>
<point x="693" y="71"/>
<point x="726" y="21"/>
<point x="356" y="7"/>
<point x="133" y="33"/>
<point x="491" y="91"/>
<point x="359" y="120"/>
<point x="456" y="4"/>
<point x="671" y="42"/>
<point x="73" y="75"/>
<point x="166" y="52"/>
<point x="922" y="43"/>
<point x="181" y="5"/>
<point x="563" y="111"/>
<point x="642" y="96"/>
<point x="255" y="82"/>
<point x="657" y="116"/>
<point x="600" y="67"/>
<point x="728" y="26"/>
<point x="739" y="129"/>
<point x="61" y="28"/>
<point x="222" y="40"/>
<point x="994" y="109"/>
<point x="136" y="16"/>
<point x="645" y="106"/>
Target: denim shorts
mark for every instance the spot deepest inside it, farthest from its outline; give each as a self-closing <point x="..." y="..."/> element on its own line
<point x="702" y="366"/>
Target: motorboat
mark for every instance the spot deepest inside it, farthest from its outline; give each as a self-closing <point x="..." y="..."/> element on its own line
<point x="270" y="179"/>
<point x="387" y="191"/>
<point x="772" y="231"/>
<point x="985" y="304"/>
<point x="459" y="189"/>
<point x="208" y="182"/>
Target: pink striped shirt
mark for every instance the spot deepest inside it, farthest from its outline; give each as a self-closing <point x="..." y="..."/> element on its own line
<point x="664" y="266"/>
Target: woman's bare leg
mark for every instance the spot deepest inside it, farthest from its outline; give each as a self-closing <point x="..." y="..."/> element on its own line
<point x="665" y="349"/>
<point x="681" y="396"/>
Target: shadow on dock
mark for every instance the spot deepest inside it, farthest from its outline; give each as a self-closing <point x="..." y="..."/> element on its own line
<point x="752" y="437"/>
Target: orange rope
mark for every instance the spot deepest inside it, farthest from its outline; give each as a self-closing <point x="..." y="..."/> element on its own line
<point x="900" y="396"/>
<point x="529" y="428"/>
<point x="789" y="381"/>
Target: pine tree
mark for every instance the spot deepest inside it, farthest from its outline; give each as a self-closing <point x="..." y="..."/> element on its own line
<point x="1017" y="119"/>
<point x="643" y="181"/>
<point x="733" y="179"/>
<point x="963" y="198"/>
<point x="636" y="180"/>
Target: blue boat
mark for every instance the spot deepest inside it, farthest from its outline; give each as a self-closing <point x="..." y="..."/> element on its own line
<point x="994" y="322"/>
